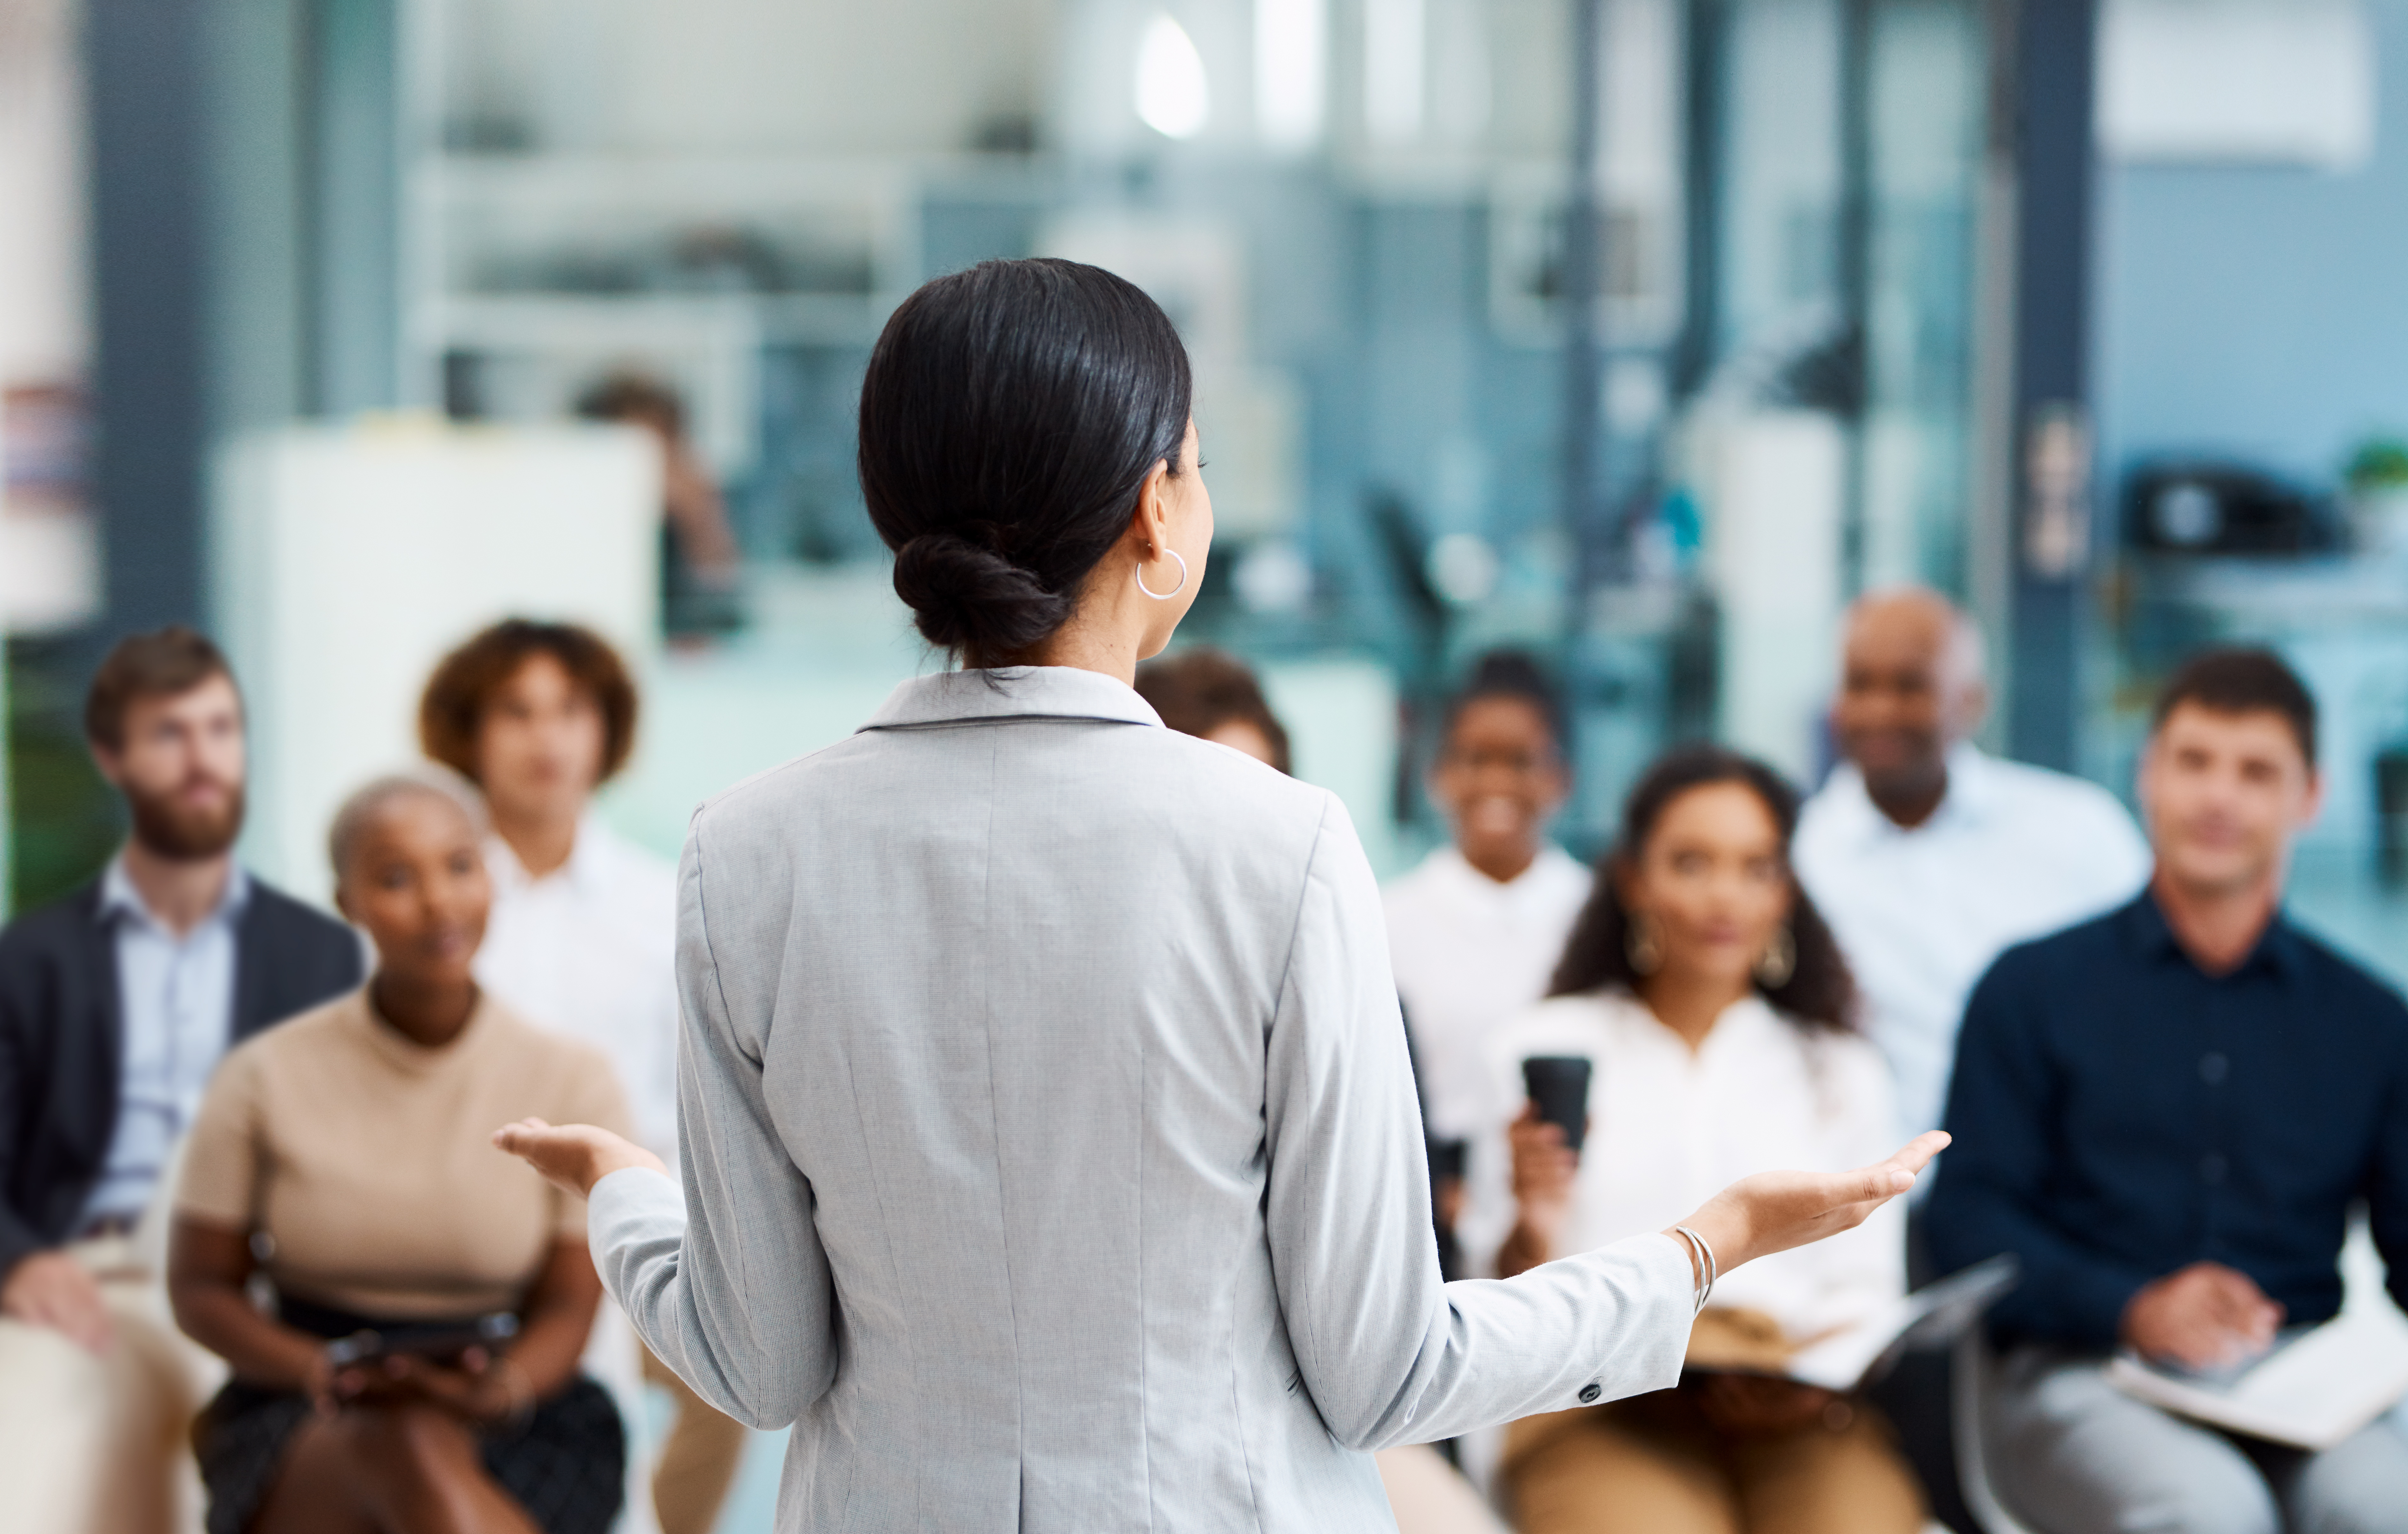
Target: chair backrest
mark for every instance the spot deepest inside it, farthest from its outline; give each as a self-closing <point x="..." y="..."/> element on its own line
<point x="1969" y="1382"/>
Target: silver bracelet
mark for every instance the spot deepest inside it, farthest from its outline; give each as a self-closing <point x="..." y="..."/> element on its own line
<point x="1704" y="1253"/>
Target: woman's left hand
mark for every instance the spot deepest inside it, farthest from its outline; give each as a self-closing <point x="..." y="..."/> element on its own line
<point x="1753" y="1406"/>
<point x="573" y="1156"/>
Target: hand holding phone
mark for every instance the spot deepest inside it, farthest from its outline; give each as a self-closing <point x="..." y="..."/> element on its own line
<point x="1558" y="1087"/>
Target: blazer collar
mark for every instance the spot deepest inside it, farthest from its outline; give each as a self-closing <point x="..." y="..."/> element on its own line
<point x="1011" y="692"/>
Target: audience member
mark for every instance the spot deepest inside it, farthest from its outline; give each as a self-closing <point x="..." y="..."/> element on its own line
<point x="1930" y="856"/>
<point x="700" y="566"/>
<point x="115" y="1005"/>
<point x="1713" y="1008"/>
<point x="345" y="1157"/>
<point x="2166" y="1112"/>
<point x="1474" y="930"/>
<point x="1211" y="694"/>
<point x="583" y="934"/>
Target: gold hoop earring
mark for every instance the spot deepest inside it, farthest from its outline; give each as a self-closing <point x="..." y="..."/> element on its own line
<point x="1643" y="944"/>
<point x="1779" y="960"/>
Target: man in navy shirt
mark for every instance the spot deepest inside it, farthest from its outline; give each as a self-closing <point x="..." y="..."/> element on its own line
<point x="2166" y="1113"/>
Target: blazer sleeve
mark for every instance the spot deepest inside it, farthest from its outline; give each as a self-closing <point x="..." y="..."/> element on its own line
<point x="730" y="1287"/>
<point x="1390" y="1351"/>
<point x="19" y="1239"/>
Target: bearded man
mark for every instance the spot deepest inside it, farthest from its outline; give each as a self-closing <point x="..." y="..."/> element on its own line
<point x="115" y="1005"/>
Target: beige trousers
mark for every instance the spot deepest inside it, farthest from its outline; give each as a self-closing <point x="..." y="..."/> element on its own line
<point x="101" y="1443"/>
<point x="698" y="1459"/>
<point x="1654" y="1464"/>
<point x="1428" y="1496"/>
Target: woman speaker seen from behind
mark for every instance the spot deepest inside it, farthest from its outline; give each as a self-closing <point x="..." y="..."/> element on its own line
<point x="1051" y="1156"/>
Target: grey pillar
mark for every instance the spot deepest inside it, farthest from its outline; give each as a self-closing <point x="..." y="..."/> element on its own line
<point x="2051" y="88"/>
<point x="144" y="68"/>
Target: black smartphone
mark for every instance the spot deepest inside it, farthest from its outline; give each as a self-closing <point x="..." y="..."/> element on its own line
<point x="1559" y="1084"/>
<point x="441" y="1340"/>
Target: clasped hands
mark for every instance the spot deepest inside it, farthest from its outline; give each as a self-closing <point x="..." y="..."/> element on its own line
<point x="476" y="1386"/>
<point x="2205" y="1316"/>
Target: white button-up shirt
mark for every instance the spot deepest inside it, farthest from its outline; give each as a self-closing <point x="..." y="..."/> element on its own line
<point x="2013" y="852"/>
<point x="590" y="950"/>
<point x="175" y="999"/>
<point x="1471" y="954"/>
<point x="1669" y="1129"/>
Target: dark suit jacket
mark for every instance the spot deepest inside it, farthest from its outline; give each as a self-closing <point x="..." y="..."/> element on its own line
<point x="62" y="1040"/>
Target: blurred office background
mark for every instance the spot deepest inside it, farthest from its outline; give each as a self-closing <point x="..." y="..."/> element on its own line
<point x="1643" y="332"/>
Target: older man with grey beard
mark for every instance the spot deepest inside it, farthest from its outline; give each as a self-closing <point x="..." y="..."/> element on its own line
<point x="115" y="1005"/>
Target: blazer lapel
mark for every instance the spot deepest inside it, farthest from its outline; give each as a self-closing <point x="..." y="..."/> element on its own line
<point x="249" y="969"/>
<point x="104" y="1032"/>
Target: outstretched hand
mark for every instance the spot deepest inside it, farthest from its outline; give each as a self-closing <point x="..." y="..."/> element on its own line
<point x="1773" y="1212"/>
<point x="572" y="1156"/>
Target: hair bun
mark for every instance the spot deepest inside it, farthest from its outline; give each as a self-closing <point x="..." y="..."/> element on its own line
<point x="964" y="595"/>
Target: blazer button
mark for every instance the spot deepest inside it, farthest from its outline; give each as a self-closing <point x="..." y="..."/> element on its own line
<point x="1590" y="1392"/>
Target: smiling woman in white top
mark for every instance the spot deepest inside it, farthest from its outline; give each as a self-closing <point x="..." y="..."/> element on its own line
<point x="1051" y="1159"/>
<point x="1476" y="928"/>
<point x="1712" y="1007"/>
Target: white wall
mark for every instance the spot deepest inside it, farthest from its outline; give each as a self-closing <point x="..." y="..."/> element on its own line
<point x="749" y="75"/>
<point x="44" y="329"/>
<point x="347" y="560"/>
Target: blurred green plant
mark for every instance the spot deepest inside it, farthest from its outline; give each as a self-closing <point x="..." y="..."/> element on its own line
<point x="2379" y="463"/>
<point x="64" y="820"/>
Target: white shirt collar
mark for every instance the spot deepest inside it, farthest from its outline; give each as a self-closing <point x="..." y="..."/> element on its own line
<point x="1971" y="794"/>
<point x="1448" y="864"/>
<point x="586" y="871"/>
<point x="119" y="898"/>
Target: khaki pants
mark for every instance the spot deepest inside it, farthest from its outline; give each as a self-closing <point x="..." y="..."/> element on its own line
<point x="101" y="1445"/>
<point x="1654" y="1464"/>
<point x="699" y="1460"/>
<point x="1428" y="1496"/>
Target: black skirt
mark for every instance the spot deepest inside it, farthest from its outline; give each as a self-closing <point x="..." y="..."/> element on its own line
<point x="566" y="1466"/>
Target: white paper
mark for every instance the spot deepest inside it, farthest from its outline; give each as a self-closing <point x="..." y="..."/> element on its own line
<point x="1934" y="1313"/>
<point x="2311" y="1393"/>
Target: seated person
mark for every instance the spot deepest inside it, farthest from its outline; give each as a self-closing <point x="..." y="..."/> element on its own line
<point x="2166" y="1112"/>
<point x="582" y="940"/>
<point x="1212" y="695"/>
<point x="1475" y="929"/>
<point x="351" y="1146"/>
<point x="1714" y="1007"/>
<point x="1929" y="856"/>
<point x="115" y="1005"/>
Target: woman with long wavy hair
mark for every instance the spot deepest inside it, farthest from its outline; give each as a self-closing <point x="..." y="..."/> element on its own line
<point x="1715" y="1011"/>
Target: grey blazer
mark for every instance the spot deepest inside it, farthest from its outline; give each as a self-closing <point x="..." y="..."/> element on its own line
<point x="1051" y="1154"/>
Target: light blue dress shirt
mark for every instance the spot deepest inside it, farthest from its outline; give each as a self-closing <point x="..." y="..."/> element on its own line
<point x="175" y="1000"/>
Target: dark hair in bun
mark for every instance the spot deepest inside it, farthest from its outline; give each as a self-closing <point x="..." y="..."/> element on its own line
<point x="1010" y="415"/>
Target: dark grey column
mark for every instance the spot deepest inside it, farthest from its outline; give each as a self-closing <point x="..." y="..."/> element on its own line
<point x="143" y="68"/>
<point x="2051" y="88"/>
<point x="1585" y="519"/>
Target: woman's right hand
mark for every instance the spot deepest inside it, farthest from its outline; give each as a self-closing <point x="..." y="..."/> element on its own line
<point x="1544" y="1169"/>
<point x="573" y="1156"/>
<point x="1773" y="1212"/>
